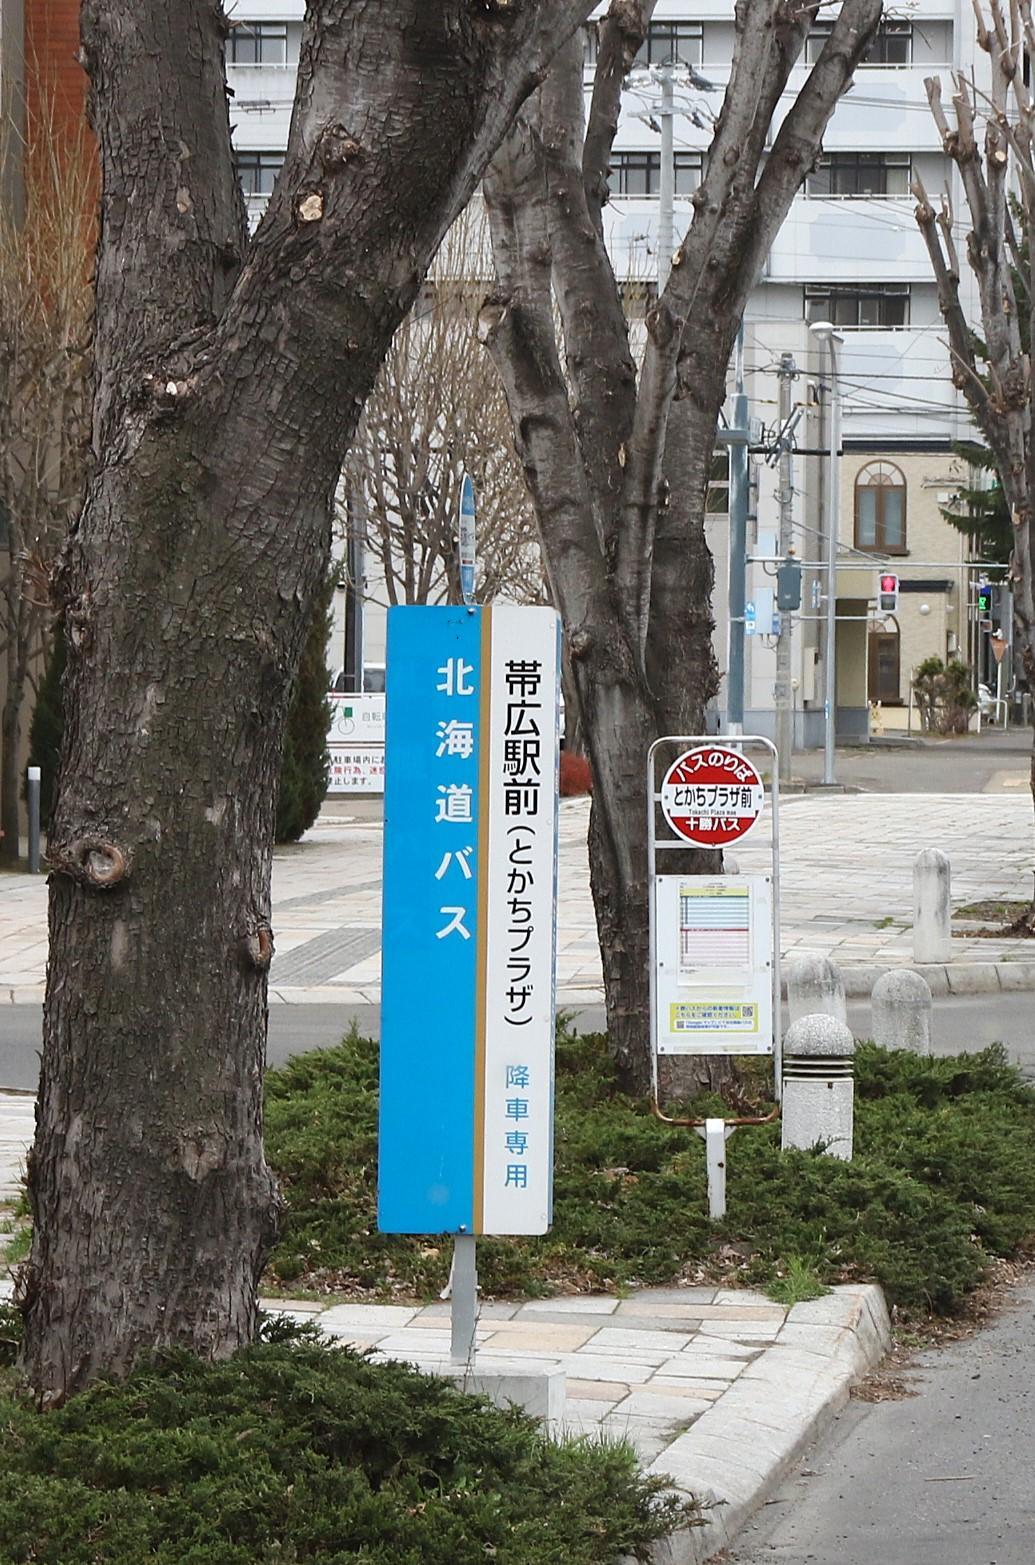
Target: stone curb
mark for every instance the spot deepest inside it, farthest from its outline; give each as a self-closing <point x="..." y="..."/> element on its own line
<point x="738" y="1452"/>
<point x="949" y="978"/>
<point x="952" y="978"/>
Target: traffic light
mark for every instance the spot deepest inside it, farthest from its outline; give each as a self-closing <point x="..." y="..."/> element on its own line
<point x="984" y="600"/>
<point x="887" y="592"/>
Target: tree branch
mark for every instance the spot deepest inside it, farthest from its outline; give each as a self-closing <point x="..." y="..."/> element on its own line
<point x="517" y="327"/>
<point x="734" y="224"/>
<point x="621" y="32"/>
<point x="599" y="362"/>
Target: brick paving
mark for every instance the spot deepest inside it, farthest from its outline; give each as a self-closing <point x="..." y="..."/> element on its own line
<point x="643" y="1368"/>
<point x="846" y="871"/>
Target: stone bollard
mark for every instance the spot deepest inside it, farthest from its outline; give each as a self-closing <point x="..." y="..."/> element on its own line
<point x="901" y="1008"/>
<point x="815" y="988"/>
<point x="932" y="939"/>
<point x="818" y="1085"/>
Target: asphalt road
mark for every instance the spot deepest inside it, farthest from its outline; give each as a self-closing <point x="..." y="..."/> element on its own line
<point x="967" y="1022"/>
<point x="992" y="762"/>
<point x="942" y="1478"/>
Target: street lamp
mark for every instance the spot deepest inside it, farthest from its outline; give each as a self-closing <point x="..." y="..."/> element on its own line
<point x="825" y="332"/>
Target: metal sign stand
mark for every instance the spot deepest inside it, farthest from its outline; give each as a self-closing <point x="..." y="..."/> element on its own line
<point x="715" y="1132"/>
<point x="463" y="1299"/>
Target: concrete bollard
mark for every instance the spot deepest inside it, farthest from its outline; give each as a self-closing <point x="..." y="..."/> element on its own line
<point x="815" y="988"/>
<point x="818" y="1086"/>
<point x="901" y="1008"/>
<point x="932" y="937"/>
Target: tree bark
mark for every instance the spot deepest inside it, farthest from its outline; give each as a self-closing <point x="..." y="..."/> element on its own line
<point x="618" y="456"/>
<point x="10" y="719"/>
<point x="230" y="379"/>
<point x="993" y="370"/>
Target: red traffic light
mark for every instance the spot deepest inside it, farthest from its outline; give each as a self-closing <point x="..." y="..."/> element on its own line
<point x="887" y="592"/>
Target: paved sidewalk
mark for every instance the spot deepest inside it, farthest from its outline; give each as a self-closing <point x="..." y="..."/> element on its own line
<point x="720" y="1390"/>
<point x="17" y="1129"/>
<point x="846" y="871"/>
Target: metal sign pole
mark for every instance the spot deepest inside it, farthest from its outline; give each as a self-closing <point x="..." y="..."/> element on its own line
<point x="463" y="1299"/>
<point x="467" y="539"/>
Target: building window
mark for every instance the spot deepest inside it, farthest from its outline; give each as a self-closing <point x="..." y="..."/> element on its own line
<point x="717" y="497"/>
<point x="590" y="46"/>
<point x="639" y="173"/>
<point x="861" y="174"/>
<point x="880" y="509"/>
<point x="665" y="41"/>
<point x="858" y="304"/>
<point x="884" y="678"/>
<point x="893" y="44"/>
<point x="257" y="43"/>
<point x="258" y="171"/>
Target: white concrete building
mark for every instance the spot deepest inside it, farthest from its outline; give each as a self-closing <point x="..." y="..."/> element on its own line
<point x="850" y="253"/>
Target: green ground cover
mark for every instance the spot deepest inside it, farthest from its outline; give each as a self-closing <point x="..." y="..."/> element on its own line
<point x="298" y="1452"/>
<point x="942" y="1180"/>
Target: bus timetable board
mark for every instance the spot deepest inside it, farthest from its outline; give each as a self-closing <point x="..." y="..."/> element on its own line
<point x="714" y="972"/>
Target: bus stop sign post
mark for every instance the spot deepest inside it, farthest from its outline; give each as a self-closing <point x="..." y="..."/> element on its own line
<point x="714" y="940"/>
<point x="465" y="1143"/>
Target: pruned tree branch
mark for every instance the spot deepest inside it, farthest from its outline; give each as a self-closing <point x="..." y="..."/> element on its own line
<point x="600" y="368"/>
<point x="621" y="32"/>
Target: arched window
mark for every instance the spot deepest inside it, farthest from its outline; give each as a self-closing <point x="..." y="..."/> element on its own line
<point x="880" y="509"/>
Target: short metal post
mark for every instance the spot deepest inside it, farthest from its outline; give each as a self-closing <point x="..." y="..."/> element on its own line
<point x="463" y="1304"/>
<point x="32" y="795"/>
<point x="716" y="1133"/>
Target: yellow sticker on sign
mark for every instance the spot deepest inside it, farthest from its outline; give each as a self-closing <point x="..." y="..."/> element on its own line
<point x="736" y="1016"/>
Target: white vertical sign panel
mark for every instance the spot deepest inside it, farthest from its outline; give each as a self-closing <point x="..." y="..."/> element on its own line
<point x="520" y="901"/>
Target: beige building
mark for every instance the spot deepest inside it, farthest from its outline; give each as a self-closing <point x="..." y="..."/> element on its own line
<point x="891" y="506"/>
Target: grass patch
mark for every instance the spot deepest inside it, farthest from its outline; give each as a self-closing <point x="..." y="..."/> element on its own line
<point x="16" y="1244"/>
<point x="943" y="1179"/>
<point x="799" y="1282"/>
<point x="993" y="910"/>
<point x="294" y="1451"/>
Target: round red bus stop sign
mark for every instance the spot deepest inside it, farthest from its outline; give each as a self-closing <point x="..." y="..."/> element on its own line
<point x="712" y="796"/>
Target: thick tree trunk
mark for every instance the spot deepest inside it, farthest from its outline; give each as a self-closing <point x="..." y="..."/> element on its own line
<point x="618" y="729"/>
<point x="227" y="396"/>
<point x="152" y="1202"/>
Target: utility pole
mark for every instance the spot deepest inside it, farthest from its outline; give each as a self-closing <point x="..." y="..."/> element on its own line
<point x="737" y="445"/>
<point x="824" y="331"/>
<point x="787" y="373"/>
<point x="667" y="202"/>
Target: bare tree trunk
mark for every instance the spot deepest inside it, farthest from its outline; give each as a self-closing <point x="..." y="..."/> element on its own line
<point x="230" y="379"/>
<point x="993" y="367"/>
<point x="618" y="456"/>
<point x="10" y="722"/>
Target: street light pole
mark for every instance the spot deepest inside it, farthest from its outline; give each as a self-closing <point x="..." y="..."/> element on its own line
<point x="824" y="330"/>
